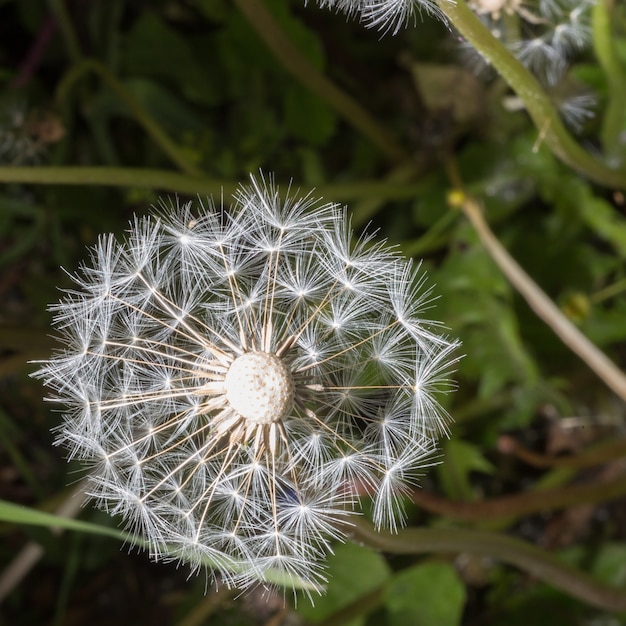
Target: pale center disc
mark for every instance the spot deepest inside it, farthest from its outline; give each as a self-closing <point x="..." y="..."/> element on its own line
<point x="259" y="387"/>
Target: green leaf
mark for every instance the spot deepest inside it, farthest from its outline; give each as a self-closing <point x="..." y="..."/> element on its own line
<point x="354" y="571"/>
<point x="461" y="458"/>
<point x="609" y="564"/>
<point x="163" y="105"/>
<point x="477" y="302"/>
<point x="425" y="595"/>
<point x="308" y="117"/>
<point x="606" y="326"/>
<point x="152" y="48"/>
<point x="605" y="221"/>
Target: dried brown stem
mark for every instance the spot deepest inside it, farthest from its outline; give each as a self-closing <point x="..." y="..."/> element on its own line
<point x="533" y="560"/>
<point x="523" y="503"/>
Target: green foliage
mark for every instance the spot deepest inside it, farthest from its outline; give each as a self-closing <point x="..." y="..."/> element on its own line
<point x="478" y="303"/>
<point x="355" y="572"/>
<point x="421" y="595"/>
<point x="426" y="594"/>
<point x="460" y="459"/>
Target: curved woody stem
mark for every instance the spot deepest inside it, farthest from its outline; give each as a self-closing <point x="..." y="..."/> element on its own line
<point x="509" y="550"/>
<point x="507" y="507"/>
<point x="552" y="132"/>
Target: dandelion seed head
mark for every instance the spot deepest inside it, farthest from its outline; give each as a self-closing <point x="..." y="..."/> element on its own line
<point x="388" y="16"/>
<point x="259" y="387"/>
<point x="544" y="34"/>
<point x="240" y="377"/>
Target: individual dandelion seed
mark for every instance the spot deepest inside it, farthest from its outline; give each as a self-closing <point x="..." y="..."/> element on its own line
<point x="241" y="378"/>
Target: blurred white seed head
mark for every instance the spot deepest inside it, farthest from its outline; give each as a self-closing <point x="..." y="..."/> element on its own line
<point x="240" y="378"/>
<point x="544" y="35"/>
<point x="385" y="15"/>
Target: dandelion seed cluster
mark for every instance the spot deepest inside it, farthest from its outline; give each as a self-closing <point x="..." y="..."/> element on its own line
<point x="544" y="35"/>
<point x="385" y="15"/>
<point x="240" y="378"/>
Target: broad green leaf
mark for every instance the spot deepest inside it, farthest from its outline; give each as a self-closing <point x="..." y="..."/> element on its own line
<point x="461" y="458"/>
<point x="609" y="564"/>
<point x="477" y="302"/>
<point x="308" y="117"/>
<point x="429" y="594"/>
<point x="606" y="326"/>
<point x="152" y="48"/>
<point x="353" y="571"/>
<point x="605" y="221"/>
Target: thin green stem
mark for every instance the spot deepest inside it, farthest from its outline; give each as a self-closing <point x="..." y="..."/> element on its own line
<point x="290" y="57"/>
<point x="509" y="550"/>
<point x="64" y="22"/>
<point x="615" y="114"/>
<point x="397" y="177"/>
<point x="158" y="135"/>
<point x="608" y="292"/>
<point x="436" y="237"/>
<point x="116" y="177"/>
<point x="537" y="102"/>
<point x="184" y="183"/>
<point x="64" y="520"/>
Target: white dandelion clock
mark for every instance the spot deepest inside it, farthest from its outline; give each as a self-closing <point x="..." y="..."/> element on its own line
<point x="239" y="379"/>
